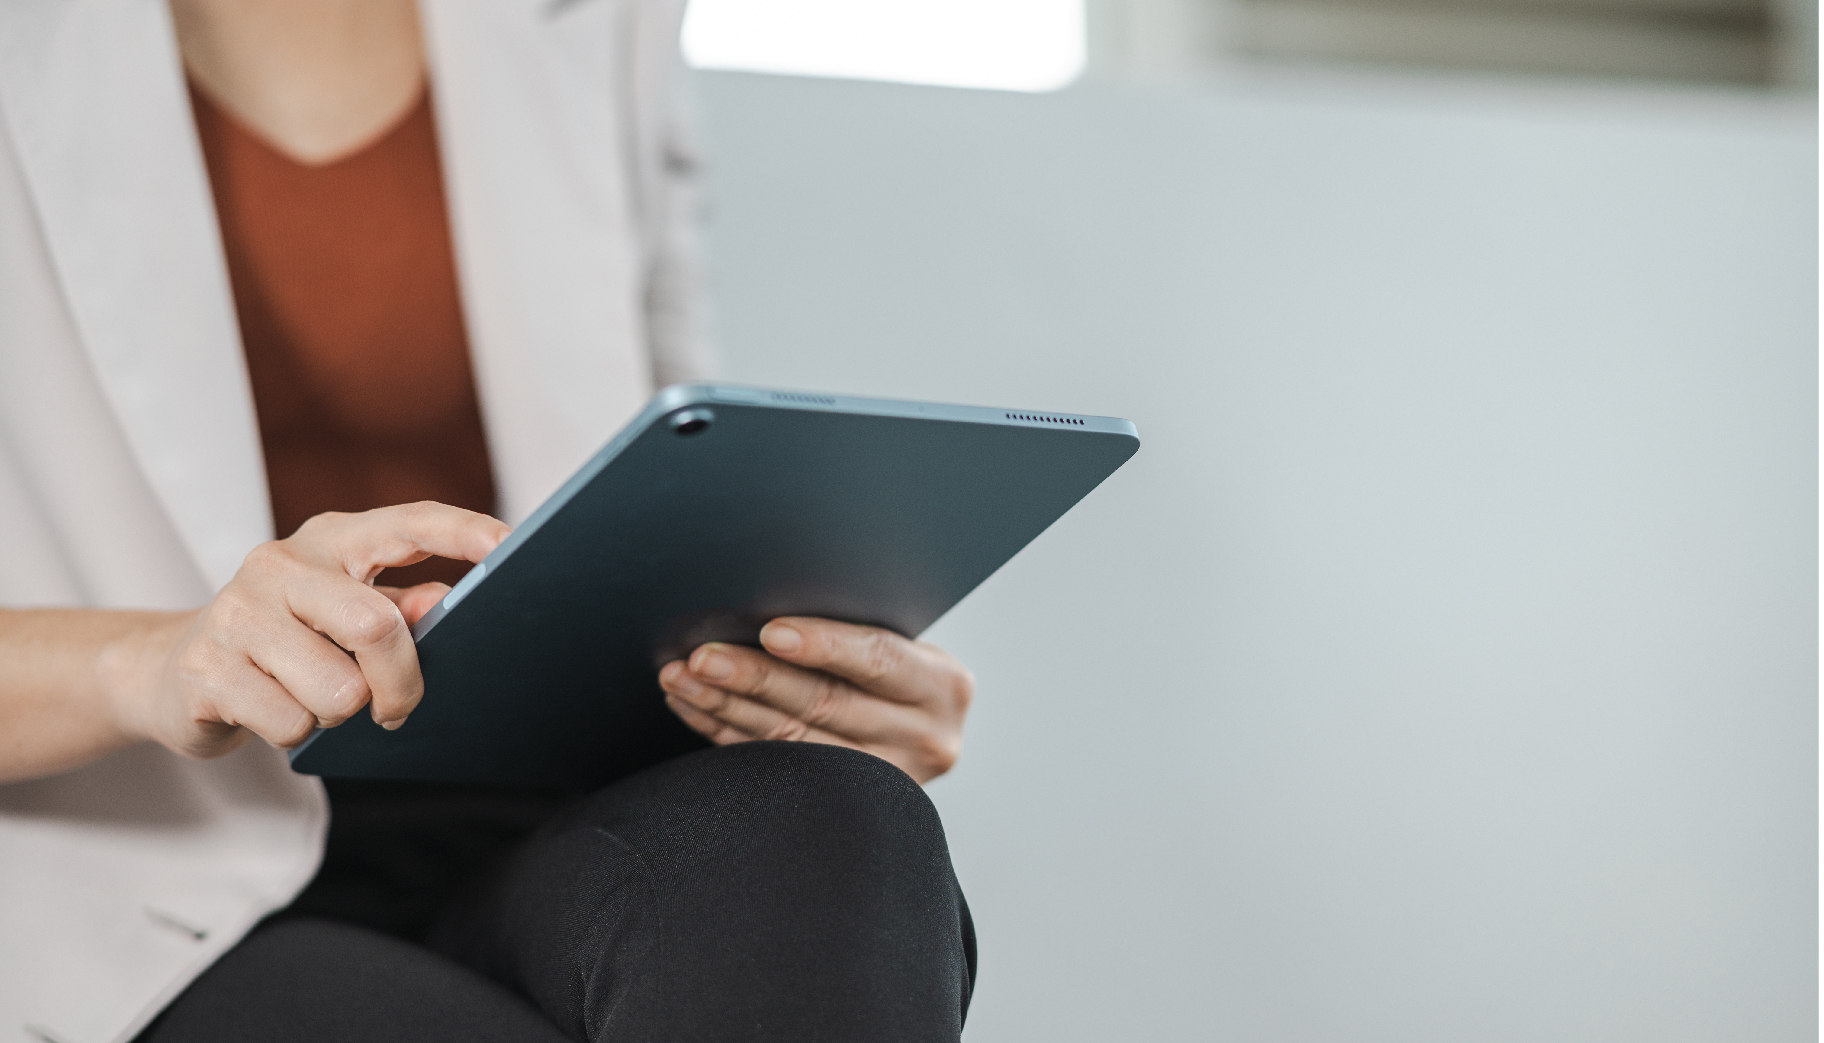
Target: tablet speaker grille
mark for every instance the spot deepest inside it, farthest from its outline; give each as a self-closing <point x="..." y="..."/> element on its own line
<point x="814" y="400"/>
<point x="1045" y="419"/>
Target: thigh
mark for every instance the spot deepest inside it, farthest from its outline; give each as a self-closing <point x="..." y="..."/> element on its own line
<point x="763" y="891"/>
<point x="315" y="981"/>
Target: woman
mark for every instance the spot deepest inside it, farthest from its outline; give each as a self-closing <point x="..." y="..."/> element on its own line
<point x="263" y="261"/>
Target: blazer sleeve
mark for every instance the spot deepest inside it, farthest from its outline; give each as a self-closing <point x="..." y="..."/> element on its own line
<point x="670" y="180"/>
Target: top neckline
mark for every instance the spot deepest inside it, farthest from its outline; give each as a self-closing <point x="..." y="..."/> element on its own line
<point x="201" y="98"/>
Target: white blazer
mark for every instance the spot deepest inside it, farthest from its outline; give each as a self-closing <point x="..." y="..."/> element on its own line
<point x="130" y="466"/>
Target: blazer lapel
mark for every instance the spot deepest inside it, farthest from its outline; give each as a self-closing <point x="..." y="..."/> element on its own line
<point x="535" y="154"/>
<point x="535" y="148"/>
<point x="93" y="94"/>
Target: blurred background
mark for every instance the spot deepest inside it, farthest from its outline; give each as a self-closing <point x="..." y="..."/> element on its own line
<point x="1444" y="667"/>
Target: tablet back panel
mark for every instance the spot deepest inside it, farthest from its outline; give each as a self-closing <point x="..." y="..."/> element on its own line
<point x="541" y="668"/>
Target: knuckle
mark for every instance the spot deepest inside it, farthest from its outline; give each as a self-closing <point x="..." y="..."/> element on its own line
<point x="962" y="689"/>
<point x="317" y="524"/>
<point x="352" y="694"/>
<point x="415" y="516"/>
<point x="232" y="610"/>
<point x="195" y="665"/>
<point x="824" y="698"/>
<point x="367" y="624"/>
<point x="753" y="674"/>
<point x="197" y="716"/>
<point x="292" y="733"/>
<point x="881" y="655"/>
<point x="204" y="740"/>
<point x="271" y="556"/>
<point x="789" y="730"/>
<point x="716" y="700"/>
<point x="939" y="750"/>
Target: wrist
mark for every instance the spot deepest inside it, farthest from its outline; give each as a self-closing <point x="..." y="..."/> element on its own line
<point x="130" y="667"/>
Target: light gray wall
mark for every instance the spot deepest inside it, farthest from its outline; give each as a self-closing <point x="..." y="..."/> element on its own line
<point x="1443" y="668"/>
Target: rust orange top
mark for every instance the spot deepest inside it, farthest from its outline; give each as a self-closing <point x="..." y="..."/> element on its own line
<point x="345" y="286"/>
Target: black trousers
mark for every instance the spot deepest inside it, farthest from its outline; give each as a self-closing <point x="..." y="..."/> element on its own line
<point x="763" y="891"/>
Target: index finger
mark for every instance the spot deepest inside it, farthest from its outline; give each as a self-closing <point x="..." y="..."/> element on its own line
<point x="363" y="544"/>
<point x="368" y="625"/>
<point x="875" y="660"/>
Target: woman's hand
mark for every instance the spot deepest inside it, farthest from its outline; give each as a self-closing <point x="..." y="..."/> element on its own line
<point x="861" y="687"/>
<point x="300" y="638"/>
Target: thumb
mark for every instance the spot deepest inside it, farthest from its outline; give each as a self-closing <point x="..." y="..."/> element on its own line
<point x="414" y="602"/>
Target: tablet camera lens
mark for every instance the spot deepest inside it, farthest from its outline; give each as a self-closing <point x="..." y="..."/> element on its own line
<point x="687" y="422"/>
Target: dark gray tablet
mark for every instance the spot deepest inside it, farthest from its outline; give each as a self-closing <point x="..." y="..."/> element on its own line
<point x="717" y="509"/>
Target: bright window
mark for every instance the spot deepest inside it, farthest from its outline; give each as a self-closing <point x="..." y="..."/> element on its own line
<point x="1018" y="45"/>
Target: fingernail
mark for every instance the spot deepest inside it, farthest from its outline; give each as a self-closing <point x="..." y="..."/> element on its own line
<point x="393" y="726"/>
<point x="689" y="691"/>
<point x="777" y="637"/>
<point x="716" y="667"/>
<point x="670" y="671"/>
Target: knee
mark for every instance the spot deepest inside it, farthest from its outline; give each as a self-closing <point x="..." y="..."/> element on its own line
<point x="831" y="787"/>
<point x="793" y="800"/>
<point x="834" y="781"/>
<point x="808" y="882"/>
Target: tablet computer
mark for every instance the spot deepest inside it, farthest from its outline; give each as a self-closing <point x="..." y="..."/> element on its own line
<point x="716" y="510"/>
